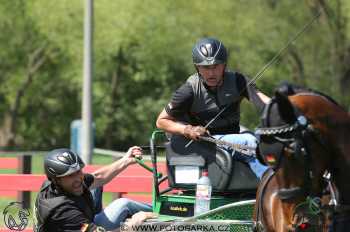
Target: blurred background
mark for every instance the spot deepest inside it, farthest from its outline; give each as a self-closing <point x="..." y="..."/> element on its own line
<point x="142" y="53"/>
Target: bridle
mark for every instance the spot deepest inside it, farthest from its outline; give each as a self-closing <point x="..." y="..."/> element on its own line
<point x="291" y="137"/>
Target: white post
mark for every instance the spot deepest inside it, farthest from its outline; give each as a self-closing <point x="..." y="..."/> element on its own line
<point x="86" y="149"/>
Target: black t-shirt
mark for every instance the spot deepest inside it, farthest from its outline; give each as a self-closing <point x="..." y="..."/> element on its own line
<point x="181" y="102"/>
<point x="70" y="215"/>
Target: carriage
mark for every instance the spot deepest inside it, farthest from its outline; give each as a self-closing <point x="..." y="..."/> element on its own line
<point x="234" y="185"/>
<point x="303" y="135"/>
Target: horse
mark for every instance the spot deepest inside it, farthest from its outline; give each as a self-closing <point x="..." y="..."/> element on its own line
<point x="303" y="134"/>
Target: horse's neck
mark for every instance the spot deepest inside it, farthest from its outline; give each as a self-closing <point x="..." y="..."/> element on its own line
<point x="333" y="122"/>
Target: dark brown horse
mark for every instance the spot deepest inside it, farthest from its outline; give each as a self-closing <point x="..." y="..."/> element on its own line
<point x="303" y="134"/>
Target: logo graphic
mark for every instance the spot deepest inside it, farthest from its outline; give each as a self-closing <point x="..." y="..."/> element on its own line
<point x="15" y="216"/>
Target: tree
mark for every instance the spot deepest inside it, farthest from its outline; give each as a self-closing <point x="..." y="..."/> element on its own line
<point x="29" y="61"/>
<point x="143" y="53"/>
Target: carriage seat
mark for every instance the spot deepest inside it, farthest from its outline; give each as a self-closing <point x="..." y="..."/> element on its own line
<point x="184" y="167"/>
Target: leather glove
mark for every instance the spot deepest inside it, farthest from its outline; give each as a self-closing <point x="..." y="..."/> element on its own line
<point x="193" y="132"/>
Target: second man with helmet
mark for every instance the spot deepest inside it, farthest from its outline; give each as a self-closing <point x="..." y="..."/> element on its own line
<point x="70" y="200"/>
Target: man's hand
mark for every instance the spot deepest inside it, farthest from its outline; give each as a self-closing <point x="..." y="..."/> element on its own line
<point x="132" y="153"/>
<point x="194" y="132"/>
<point x="138" y="218"/>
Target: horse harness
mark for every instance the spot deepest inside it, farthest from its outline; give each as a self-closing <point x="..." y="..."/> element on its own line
<point x="274" y="141"/>
<point x="291" y="138"/>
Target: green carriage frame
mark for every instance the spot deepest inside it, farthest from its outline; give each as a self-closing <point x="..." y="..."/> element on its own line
<point x="235" y="212"/>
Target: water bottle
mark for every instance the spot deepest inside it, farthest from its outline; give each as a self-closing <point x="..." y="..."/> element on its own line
<point x="203" y="194"/>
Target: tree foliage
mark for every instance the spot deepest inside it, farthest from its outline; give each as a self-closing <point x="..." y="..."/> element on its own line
<point x="142" y="53"/>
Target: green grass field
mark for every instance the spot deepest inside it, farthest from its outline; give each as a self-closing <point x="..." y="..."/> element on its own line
<point x="37" y="168"/>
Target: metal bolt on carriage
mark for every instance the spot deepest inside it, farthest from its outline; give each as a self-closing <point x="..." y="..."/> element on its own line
<point x="234" y="185"/>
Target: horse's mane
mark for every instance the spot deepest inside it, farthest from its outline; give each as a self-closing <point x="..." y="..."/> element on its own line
<point x="289" y="89"/>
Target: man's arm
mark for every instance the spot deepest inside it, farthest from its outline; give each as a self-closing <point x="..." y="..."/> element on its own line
<point x="251" y="92"/>
<point x="179" y="106"/>
<point x="169" y="124"/>
<point x="105" y="174"/>
<point x="258" y="98"/>
<point x="264" y="98"/>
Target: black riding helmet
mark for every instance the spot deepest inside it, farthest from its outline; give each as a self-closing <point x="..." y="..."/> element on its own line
<point x="62" y="162"/>
<point x="209" y="51"/>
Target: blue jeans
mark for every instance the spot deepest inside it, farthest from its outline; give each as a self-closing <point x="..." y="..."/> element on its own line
<point x="116" y="212"/>
<point x="244" y="139"/>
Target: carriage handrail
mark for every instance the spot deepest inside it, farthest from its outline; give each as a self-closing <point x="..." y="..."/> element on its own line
<point x="219" y="209"/>
<point x="145" y="166"/>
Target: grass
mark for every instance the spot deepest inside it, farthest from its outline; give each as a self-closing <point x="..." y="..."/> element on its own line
<point x="37" y="168"/>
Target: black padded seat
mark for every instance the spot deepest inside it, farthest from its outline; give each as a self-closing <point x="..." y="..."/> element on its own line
<point x="226" y="174"/>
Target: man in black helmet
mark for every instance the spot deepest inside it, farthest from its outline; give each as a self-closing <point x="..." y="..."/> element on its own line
<point x="205" y="93"/>
<point x="65" y="202"/>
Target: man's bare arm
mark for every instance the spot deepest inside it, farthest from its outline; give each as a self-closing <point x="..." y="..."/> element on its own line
<point x="108" y="172"/>
<point x="264" y="98"/>
<point x="169" y="124"/>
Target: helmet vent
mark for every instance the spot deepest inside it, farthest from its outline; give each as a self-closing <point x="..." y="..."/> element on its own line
<point x="207" y="50"/>
<point x="52" y="171"/>
<point x="66" y="158"/>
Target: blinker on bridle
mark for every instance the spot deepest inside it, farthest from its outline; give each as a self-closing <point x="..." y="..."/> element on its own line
<point x="295" y="144"/>
<point x="290" y="145"/>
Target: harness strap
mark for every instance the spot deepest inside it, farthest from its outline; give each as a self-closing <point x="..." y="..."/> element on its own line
<point x="286" y="194"/>
<point x="341" y="208"/>
<point x="259" y="226"/>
